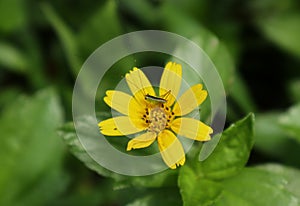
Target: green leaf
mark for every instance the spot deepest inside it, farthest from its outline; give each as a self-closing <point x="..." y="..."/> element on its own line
<point x="271" y="139"/>
<point x="251" y="187"/>
<point x="260" y="188"/>
<point x="143" y="11"/>
<point x="8" y="95"/>
<point x="294" y="88"/>
<point x="13" y="15"/>
<point x="66" y="37"/>
<point x="95" y="32"/>
<point x="166" y="178"/>
<point x="227" y="160"/>
<point x="31" y="152"/>
<point x="68" y="133"/>
<point x="95" y="194"/>
<point x="35" y="71"/>
<point x="163" y="196"/>
<point x="11" y="58"/>
<point x="291" y="175"/>
<point x="283" y="29"/>
<point x="231" y="153"/>
<point x="290" y="122"/>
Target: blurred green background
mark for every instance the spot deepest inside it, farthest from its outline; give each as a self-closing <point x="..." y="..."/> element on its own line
<point x="255" y="45"/>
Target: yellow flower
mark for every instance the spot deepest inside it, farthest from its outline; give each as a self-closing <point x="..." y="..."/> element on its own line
<point x="157" y="117"/>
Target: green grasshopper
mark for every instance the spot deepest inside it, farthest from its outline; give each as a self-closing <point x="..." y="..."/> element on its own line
<point x="156" y="100"/>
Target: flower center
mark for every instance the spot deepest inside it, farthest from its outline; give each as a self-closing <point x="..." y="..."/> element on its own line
<point x="157" y="120"/>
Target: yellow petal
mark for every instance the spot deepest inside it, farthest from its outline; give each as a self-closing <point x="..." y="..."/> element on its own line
<point x="171" y="149"/>
<point x="139" y="84"/>
<point x="190" y="99"/>
<point x="141" y="141"/>
<point x="119" y="126"/>
<point x="170" y="81"/>
<point x="192" y="128"/>
<point x="119" y="101"/>
<point x="136" y="109"/>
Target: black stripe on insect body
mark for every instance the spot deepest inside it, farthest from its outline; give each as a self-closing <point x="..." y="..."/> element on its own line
<point x="151" y="98"/>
